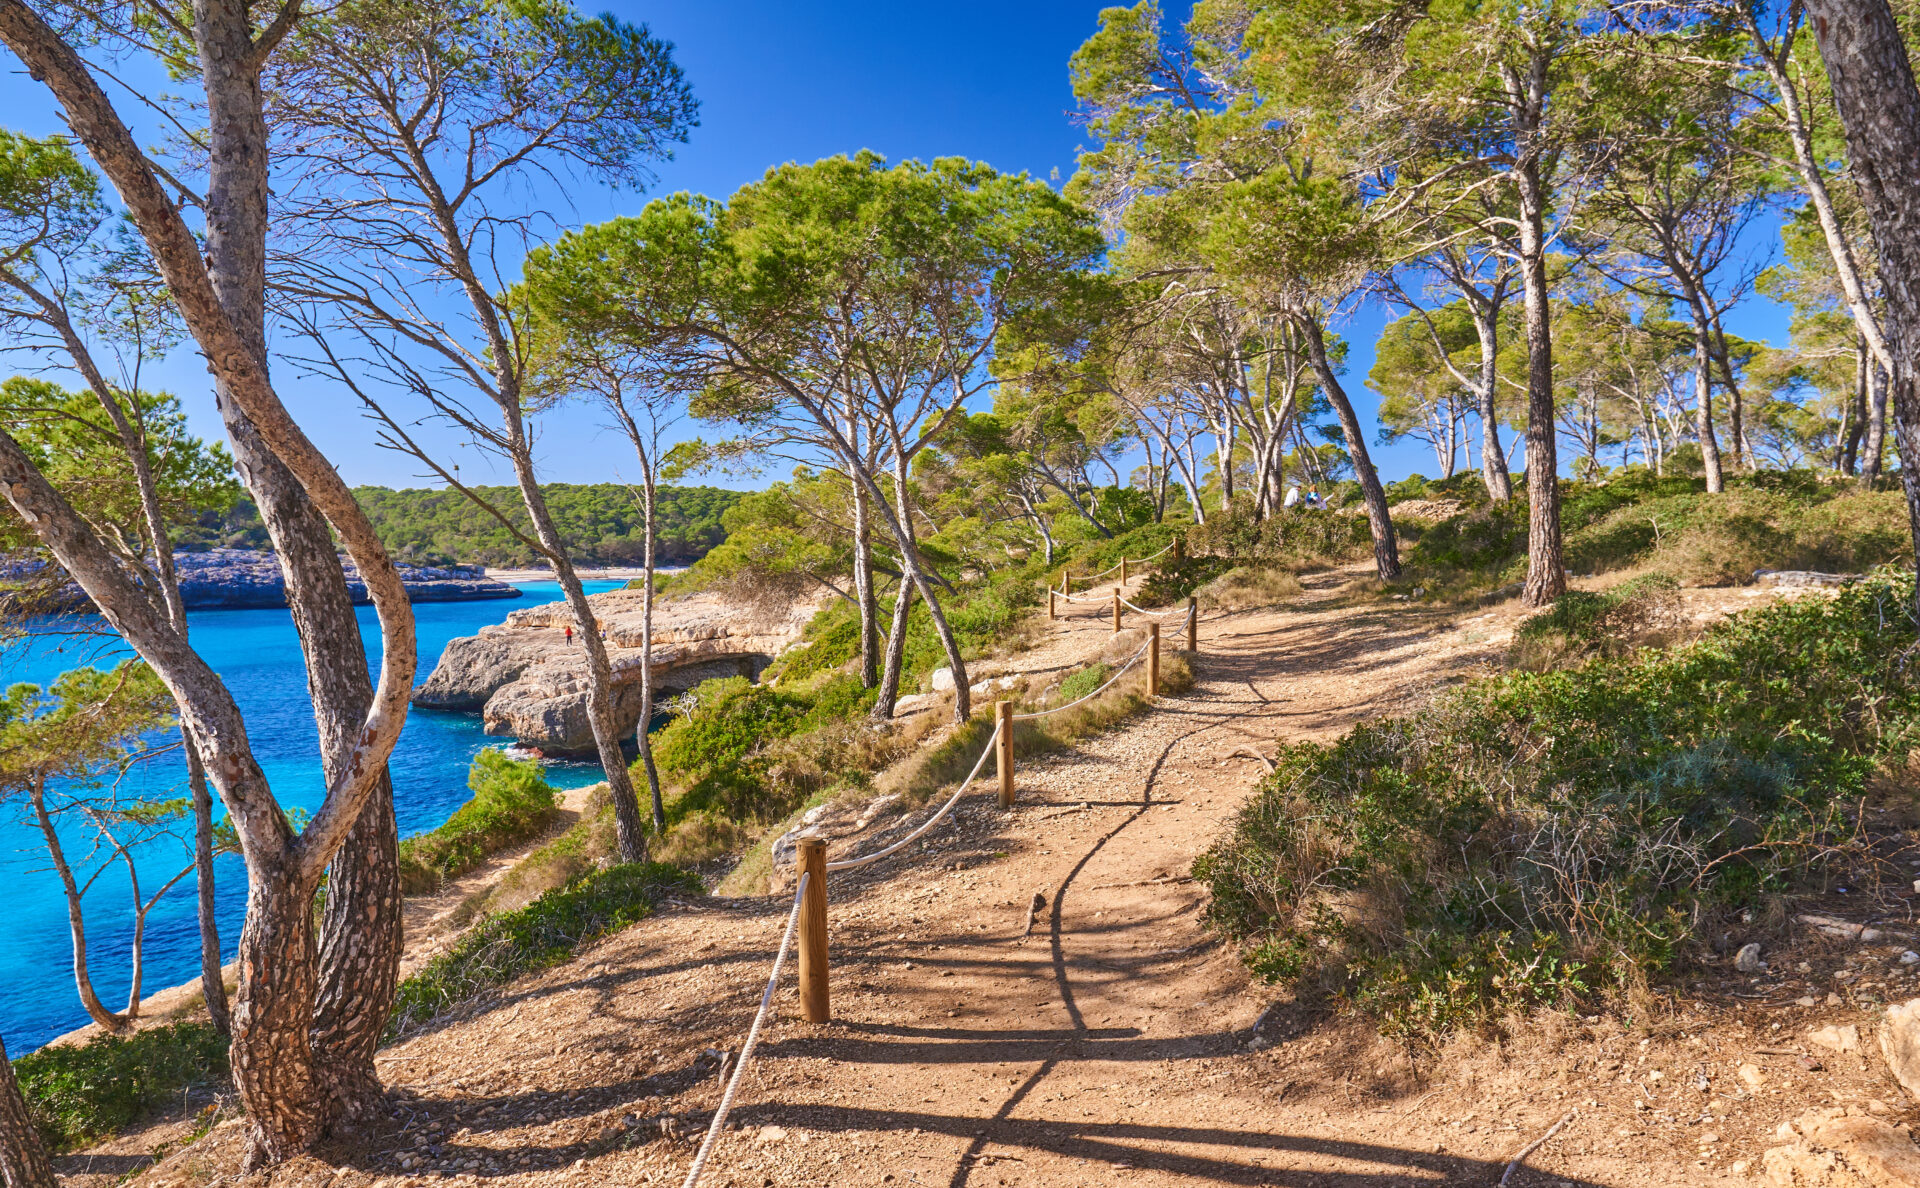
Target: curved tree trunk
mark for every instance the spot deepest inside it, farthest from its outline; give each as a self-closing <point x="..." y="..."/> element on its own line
<point x="1874" y="450"/>
<point x="76" y="913"/>
<point x="1703" y="413"/>
<point x="883" y="705"/>
<point x="1386" y="548"/>
<point x="1493" y="456"/>
<point x="642" y="735"/>
<point x="867" y="603"/>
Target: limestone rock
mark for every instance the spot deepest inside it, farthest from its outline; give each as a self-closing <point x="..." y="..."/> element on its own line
<point x="1832" y="1149"/>
<point x="250" y="579"/>
<point x="1802" y="577"/>
<point x="530" y="682"/>
<point x="942" y="680"/>
<point x="1836" y="1039"/>
<point x="1900" y="1044"/>
<point x="1747" y="960"/>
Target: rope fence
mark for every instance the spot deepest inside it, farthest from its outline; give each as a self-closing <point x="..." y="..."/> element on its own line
<point x="808" y="916"/>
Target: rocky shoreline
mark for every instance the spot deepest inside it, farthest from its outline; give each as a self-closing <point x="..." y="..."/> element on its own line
<point x="248" y="579"/>
<point x="527" y="679"/>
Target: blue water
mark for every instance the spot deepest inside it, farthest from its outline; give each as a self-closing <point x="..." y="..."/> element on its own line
<point x="257" y="653"/>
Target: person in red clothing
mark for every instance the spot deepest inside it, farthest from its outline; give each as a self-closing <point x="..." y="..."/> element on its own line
<point x="569" y="633"/>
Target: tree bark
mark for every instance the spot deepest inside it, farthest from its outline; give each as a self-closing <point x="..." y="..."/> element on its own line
<point x="1874" y="451"/>
<point x="1703" y="412"/>
<point x="213" y="983"/>
<point x="23" y="1161"/>
<point x="867" y="603"/>
<point x="642" y="736"/>
<point x="1386" y="549"/>
<point x="883" y="705"/>
<point x="76" y="913"/>
<point x="1546" y="567"/>
<point x="1873" y="89"/>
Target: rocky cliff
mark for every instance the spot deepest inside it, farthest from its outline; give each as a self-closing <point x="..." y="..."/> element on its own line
<point x="247" y="579"/>
<point x="529" y="682"/>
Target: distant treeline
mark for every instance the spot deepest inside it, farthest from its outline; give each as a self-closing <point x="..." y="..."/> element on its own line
<point x="600" y="522"/>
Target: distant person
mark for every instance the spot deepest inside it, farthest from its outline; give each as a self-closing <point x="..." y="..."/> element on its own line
<point x="1293" y="496"/>
<point x="1314" y="501"/>
<point x="569" y="633"/>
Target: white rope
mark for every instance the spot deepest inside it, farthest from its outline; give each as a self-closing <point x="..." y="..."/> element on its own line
<point x="1161" y="553"/>
<point x="1152" y="614"/>
<point x="753" y="1037"/>
<point x="1131" y="661"/>
<point x="930" y="822"/>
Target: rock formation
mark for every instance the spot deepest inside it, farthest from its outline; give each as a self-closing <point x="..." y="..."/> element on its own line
<point x="249" y="579"/>
<point x="529" y="682"/>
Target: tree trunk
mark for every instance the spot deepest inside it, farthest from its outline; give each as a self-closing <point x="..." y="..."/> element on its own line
<point x="630" y="830"/>
<point x="213" y="983"/>
<point x="23" y="1161"/>
<point x="1854" y="419"/>
<point x="868" y="604"/>
<point x="883" y="705"/>
<point x="902" y="524"/>
<point x="1546" y="568"/>
<point x="1875" y="451"/>
<point x="1703" y="412"/>
<point x="360" y="932"/>
<point x="642" y="734"/>
<point x="1874" y="92"/>
<point x="76" y="912"/>
<point x="1386" y="549"/>
<point x="272" y="1052"/>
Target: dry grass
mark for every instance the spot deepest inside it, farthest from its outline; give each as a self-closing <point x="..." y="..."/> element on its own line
<point x="1248" y="586"/>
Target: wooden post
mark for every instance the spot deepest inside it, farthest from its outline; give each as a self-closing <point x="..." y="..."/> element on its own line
<point x="1116" y="610"/>
<point x="1179" y="550"/>
<point x="1051" y="613"/>
<point x="1123" y="571"/>
<point x="813" y="931"/>
<point x="1153" y="660"/>
<point x="1193" y="624"/>
<point x="1003" y="750"/>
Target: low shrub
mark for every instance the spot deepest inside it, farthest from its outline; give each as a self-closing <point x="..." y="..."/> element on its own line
<point x="1247" y="586"/>
<point x="1084" y="682"/>
<point x="1548" y="838"/>
<point x="79" y="1093"/>
<point x="1170" y="583"/>
<point x="1295" y="536"/>
<point x="512" y="803"/>
<point x="545" y="933"/>
<point x="1583" y="623"/>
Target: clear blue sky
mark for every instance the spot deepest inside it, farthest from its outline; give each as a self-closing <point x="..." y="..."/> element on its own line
<point x="794" y="82"/>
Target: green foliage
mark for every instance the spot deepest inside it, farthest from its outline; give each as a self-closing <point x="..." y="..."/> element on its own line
<point x="1771" y="520"/>
<point x="1169" y="584"/>
<point x="1544" y="838"/>
<point x="512" y="803"/>
<point x="79" y="1093"/>
<point x="545" y="933"/>
<point x="1294" y="536"/>
<point x="1084" y="682"/>
<point x="1584" y="623"/>
<point x="600" y="522"/>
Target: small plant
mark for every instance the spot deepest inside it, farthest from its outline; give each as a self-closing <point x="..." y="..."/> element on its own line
<point x="1170" y="583"/>
<point x="1084" y="682"/>
<point x="79" y="1093"/>
<point x="545" y="933"/>
<point x="1581" y="623"/>
<point x="1247" y="586"/>
<point x="512" y="803"/>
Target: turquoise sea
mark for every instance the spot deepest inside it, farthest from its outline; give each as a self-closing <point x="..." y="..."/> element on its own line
<point x="258" y="654"/>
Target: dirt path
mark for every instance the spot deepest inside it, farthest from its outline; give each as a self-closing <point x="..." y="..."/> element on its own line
<point x="1115" y="1044"/>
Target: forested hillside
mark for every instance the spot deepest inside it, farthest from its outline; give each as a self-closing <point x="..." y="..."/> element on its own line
<point x="601" y="523"/>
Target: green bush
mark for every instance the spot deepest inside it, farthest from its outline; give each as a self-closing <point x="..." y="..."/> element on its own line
<point x="77" y="1094"/>
<point x="545" y="933"/>
<point x="512" y="803"/>
<point x="1084" y="682"/>
<point x="1169" y="584"/>
<point x="1297" y="536"/>
<point x="1583" y="623"/>
<point x="1539" y="838"/>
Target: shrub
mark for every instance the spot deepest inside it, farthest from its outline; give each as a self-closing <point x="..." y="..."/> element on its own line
<point x="76" y="1094"/>
<point x="1538" y="838"/>
<point x="1295" y="536"/>
<point x="718" y="751"/>
<point x="512" y="803"/>
<point x="545" y="933"/>
<point x="1248" y="586"/>
<point x="1084" y="682"/>
<point x="1170" y="583"/>
<point x="1581" y="623"/>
